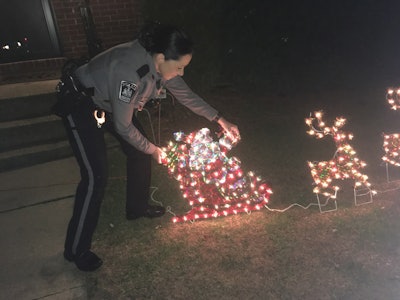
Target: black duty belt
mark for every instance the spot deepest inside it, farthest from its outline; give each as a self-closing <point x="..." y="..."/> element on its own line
<point x="79" y="87"/>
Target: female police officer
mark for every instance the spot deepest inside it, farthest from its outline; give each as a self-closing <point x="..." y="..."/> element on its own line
<point x="117" y="83"/>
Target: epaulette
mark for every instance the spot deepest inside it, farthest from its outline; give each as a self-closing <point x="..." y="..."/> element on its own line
<point x="143" y="70"/>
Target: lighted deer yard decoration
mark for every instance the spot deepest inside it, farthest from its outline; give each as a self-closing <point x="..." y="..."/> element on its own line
<point x="391" y="142"/>
<point x="344" y="164"/>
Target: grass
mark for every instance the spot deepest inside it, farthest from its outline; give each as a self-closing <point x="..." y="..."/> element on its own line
<point x="352" y="253"/>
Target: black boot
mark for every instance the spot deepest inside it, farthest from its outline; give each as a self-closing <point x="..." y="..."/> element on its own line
<point x="152" y="211"/>
<point x="86" y="261"/>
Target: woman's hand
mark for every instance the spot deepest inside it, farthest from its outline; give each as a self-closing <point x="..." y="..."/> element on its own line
<point x="158" y="155"/>
<point x="231" y="130"/>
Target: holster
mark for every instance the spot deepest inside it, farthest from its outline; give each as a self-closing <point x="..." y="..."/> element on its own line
<point x="69" y="91"/>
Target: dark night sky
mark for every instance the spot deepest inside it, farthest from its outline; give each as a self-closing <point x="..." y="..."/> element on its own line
<point x="358" y="34"/>
<point x="338" y="23"/>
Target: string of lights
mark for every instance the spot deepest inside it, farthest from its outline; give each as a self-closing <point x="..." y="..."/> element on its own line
<point x="345" y="163"/>
<point x="391" y="142"/>
<point x="213" y="183"/>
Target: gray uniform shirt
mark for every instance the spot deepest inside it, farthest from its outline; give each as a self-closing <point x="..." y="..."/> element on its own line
<point x="124" y="79"/>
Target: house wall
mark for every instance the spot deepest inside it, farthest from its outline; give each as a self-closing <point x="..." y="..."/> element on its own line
<point x="116" y="21"/>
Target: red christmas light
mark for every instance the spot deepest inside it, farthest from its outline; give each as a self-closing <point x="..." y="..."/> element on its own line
<point x="391" y="145"/>
<point x="213" y="183"/>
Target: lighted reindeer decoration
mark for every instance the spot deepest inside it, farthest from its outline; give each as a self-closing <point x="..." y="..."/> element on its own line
<point x="344" y="165"/>
<point x="391" y="143"/>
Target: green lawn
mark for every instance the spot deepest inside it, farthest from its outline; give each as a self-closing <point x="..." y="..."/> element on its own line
<point x="352" y="253"/>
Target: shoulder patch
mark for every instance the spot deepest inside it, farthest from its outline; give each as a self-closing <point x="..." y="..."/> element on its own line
<point x="126" y="91"/>
<point x="143" y="70"/>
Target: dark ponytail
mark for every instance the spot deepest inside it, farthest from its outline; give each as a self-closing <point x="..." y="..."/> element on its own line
<point x="168" y="40"/>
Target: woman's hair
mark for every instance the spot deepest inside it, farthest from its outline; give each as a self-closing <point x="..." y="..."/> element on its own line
<point x="166" y="39"/>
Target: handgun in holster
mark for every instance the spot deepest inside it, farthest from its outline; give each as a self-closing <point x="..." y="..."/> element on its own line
<point x="69" y="91"/>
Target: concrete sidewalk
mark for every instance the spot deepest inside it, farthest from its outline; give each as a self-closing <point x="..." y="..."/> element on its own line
<point x="35" y="207"/>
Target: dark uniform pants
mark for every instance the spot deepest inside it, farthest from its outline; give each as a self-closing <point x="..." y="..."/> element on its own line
<point x="89" y="147"/>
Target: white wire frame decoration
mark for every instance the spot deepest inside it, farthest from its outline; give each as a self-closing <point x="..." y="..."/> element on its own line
<point x="344" y="164"/>
<point x="391" y="142"/>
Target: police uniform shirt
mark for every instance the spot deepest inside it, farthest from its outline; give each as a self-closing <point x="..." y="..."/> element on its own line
<point x="124" y="79"/>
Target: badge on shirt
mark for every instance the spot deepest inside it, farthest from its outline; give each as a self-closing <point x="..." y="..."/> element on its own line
<point x="126" y="91"/>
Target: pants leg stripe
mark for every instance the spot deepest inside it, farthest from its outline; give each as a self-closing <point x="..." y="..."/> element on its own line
<point x="90" y="185"/>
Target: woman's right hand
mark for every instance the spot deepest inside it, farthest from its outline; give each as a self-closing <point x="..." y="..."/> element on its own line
<point x="158" y="155"/>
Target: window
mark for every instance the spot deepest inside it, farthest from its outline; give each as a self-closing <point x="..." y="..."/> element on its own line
<point x="27" y="31"/>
